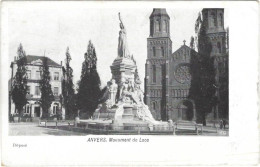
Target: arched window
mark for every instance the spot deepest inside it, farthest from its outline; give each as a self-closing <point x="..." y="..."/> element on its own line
<point x="219" y="47"/>
<point x="154" y="74"/>
<point x="160" y="26"/>
<point x="157" y="25"/>
<point x="220" y="19"/>
<point x="55" y="108"/>
<point x="213" y="20"/>
<point x="162" y="50"/>
<point x="178" y="93"/>
<point x="167" y="26"/>
<point x="154" y="105"/>
<point x="164" y="25"/>
<point x="154" y="52"/>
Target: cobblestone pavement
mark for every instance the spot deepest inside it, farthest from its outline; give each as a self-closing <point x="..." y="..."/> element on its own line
<point x="32" y="129"/>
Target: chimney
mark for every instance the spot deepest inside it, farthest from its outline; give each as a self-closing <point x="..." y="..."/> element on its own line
<point x="14" y="58"/>
<point x="61" y="63"/>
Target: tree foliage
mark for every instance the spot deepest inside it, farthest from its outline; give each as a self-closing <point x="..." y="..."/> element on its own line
<point x="89" y="85"/>
<point x="68" y="92"/>
<point x="203" y="88"/>
<point x="19" y="84"/>
<point x="46" y="92"/>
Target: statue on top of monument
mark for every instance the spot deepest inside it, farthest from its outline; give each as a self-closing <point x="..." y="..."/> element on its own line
<point x="122" y="41"/>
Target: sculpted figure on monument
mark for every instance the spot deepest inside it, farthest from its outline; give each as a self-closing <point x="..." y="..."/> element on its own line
<point x="113" y="91"/>
<point x="125" y="96"/>
<point x="122" y="41"/>
<point x="139" y="93"/>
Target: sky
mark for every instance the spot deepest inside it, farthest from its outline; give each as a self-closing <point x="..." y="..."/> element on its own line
<point x="50" y="29"/>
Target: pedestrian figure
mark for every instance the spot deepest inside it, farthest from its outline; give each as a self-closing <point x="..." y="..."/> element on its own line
<point x="224" y="123"/>
<point x="221" y="124"/>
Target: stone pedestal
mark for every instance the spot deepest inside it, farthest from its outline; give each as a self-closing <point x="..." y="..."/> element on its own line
<point x="128" y="112"/>
<point x="123" y="68"/>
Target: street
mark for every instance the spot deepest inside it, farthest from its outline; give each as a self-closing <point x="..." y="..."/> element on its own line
<point x="32" y="129"/>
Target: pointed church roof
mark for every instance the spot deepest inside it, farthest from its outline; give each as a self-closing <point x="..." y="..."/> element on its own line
<point x="159" y="12"/>
<point x="183" y="47"/>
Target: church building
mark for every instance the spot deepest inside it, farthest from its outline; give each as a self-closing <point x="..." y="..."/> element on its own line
<point x="168" y="75"/>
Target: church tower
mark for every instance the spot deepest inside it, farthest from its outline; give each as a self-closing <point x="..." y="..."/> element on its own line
<point x="159" y="49"/>
<point x="214" y="22"/>
<point x="217" y="35"/>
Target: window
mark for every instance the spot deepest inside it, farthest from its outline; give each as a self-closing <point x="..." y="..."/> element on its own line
<point x="157" y="25"/>
<point x="38" y="74"/>
<point x="219" y="47"/>
<point x="56" y="91"/>
<point x="213" y="20"/>
<point x="154" y="52"/>
<point x="220" y="19"/>
<point x="55" y="108"/>
<point x="160" y="26"/>
<point x="28" y="89"/>
<point x="154" y="74"/>
<point x="16" y="111"/>
<point x="164" y="25"/>
<point x="154" y="105"/>
<point x="37" y="90"/>
<point x="28" y="73"/>
<point x="56" y="76"/>
<point x="27" y="109"/>
<point x="162" y="50"/>
<point x="179" y="93"/>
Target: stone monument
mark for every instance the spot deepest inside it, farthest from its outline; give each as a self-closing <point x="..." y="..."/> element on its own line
<point x="124" y="106"/>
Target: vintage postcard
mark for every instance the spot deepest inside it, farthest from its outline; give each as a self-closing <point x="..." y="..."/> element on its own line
<point x="129" y="83"/>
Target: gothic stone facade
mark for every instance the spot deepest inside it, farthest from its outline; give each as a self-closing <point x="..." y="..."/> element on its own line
<point x="167" y="77"/>
<point x="33" y="65"/>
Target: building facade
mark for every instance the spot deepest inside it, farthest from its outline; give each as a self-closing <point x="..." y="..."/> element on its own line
<point x="33" y="67"/>
<point x="168" y="75"/>
<point x="159" y="48"/>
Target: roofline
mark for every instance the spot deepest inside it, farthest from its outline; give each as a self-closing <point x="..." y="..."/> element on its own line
<point x="159" y="14"/>
<point x="184" y="46"/>
<point x="58" y="66"/>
